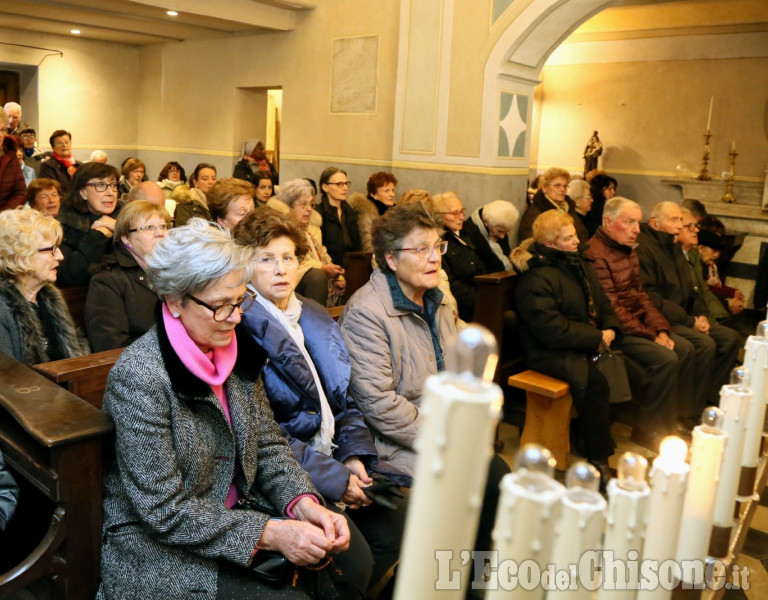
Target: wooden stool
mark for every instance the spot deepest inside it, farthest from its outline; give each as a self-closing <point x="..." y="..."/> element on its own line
<point x="547" y="413"/>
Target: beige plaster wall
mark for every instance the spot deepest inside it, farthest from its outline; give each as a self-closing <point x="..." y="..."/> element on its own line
<point x="188" y="86"/>
<point x="652" y="115"/>
<point x="90" y="91"/>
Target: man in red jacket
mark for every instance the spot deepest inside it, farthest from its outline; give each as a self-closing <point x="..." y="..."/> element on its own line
<point x="659" y="360"/>
<point x="13" y="190"/>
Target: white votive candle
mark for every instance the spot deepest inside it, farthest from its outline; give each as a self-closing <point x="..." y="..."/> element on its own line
<point x="461" y="407"/>
<point x="735" y="400"/>
<point x="669" y="480"/>
<point x="528" y="509"/>
<point x="578" y="529"/>
<point x="628" y="497"/>
<point x="699" y="504"/>
<point x="756" y="363"/>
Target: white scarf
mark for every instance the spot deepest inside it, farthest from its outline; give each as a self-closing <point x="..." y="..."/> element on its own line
<point x="289" y="319"/>
<point x="477" y="220"/>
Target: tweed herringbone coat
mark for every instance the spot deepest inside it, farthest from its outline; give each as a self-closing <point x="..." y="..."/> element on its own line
<point x="166" y="528"/>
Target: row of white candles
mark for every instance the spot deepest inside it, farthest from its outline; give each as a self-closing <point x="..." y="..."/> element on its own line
<point x="541" y="520"/>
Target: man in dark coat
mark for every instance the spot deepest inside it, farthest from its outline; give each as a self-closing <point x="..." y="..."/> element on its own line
<point x="460" y="262"/>
<point x="665" y="277"/>
<point x="657" y="358"/>
<point x="565" y="320"/>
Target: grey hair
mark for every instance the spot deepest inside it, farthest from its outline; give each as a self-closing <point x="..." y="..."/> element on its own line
<point x="15" y="105"/>
<point x="191" y="258"/>
<point x="501" y="213"/>
<point x="615" y="205"/>
<point x="658" y="210"/>
<point x="438" y="204"/>
<point x="96" y="154"/>
<point x="577" y="188"/>
<point x="294" y="190"/>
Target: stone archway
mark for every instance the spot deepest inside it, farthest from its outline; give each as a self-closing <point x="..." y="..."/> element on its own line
<point x="512" y="72"/>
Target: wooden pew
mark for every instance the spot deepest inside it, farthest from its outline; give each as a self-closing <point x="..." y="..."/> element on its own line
<point x="84" y="376"/>
<point x="358" y="271"/>
<point x="494" y="309"/>
<point x="52" y="440"/>
<point x="75" y="299"/>
<point x="547" y="413"/>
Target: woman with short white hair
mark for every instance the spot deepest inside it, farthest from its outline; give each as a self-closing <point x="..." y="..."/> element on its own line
<point x="488" y="229"/>
<point x="195" y="440"/>
<point x="35" y="324"/>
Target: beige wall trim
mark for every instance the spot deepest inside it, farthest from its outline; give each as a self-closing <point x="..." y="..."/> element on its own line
<point x="610" y="171"/>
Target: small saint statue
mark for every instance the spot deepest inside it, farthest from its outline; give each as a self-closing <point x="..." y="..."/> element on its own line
<point x="593" y="149"/>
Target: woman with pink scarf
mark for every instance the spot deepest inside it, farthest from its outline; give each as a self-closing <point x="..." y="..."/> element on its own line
<point x="195" y="443"/>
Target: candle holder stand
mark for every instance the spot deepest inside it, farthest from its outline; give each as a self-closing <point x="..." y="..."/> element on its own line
<point x="728" y="196"/>
<point x="704" y="173"/>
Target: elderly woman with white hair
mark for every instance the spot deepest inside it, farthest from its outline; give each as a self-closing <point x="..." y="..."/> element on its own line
<point x="196" y="443"/>
<point x="35" y="324"/>
<point x="579" y="192"/>
<point x="488" y="229"/>
<point x="319" y="279"/>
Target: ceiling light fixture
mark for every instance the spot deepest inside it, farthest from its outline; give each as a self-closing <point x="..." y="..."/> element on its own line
<point x="171" y="13"/>
<point x="74" y="31"/>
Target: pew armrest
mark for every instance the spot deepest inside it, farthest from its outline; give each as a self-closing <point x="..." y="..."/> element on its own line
<point x="62" y="371"/>
<point x="48" y="413"/>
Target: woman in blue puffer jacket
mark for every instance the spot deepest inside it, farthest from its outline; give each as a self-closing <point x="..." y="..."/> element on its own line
<point x="306" y="381"/>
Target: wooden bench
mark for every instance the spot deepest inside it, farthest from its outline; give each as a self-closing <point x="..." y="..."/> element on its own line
<point x="84" y="376"/>
<point x="52" y="441"/>
<point x="75" y="297"/>
<point x="547" y="413"/>
<point x="358" y="271"/>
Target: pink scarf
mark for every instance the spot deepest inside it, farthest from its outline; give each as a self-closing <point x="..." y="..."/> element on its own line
<point x="212" y="367"/>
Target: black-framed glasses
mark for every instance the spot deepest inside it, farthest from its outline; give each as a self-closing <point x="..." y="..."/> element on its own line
<point x="340" y="184"/>
<point x="694" y="227"/>
<point x="424" y="251"/>
<point x="101" y="186"/>
<point x="51" y="249"/>
<point x="223" y="312"/>
<point x="152" y="228"/>
<point x="455" y="213"/>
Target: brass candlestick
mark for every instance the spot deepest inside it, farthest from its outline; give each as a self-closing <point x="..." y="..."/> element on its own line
<point x="704" y="173"/>
<point x="728" y="196"/>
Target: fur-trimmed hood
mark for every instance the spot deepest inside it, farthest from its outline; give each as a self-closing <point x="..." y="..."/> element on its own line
<point x="362" y="205"/>
<point x="521" y="255"/>
<point x="183" y="194"/>
<point x="23" y="324"/>
<point x="9" y="145"/>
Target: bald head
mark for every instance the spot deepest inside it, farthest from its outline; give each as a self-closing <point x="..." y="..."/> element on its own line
<point x="666" y="217"/>
<point x="149" y="191"/>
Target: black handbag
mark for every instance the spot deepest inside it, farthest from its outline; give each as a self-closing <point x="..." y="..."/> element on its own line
<point x="322" y="581"/>
<point x="611" y="364"/>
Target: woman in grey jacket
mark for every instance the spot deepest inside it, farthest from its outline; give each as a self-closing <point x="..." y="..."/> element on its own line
<point x="194" y="435"/>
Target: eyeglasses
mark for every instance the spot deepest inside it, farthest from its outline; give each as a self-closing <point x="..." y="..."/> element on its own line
<point x="302" y="204"/>
<point x="340" y="184"/>
<point x="27" y="136"/>
<point x="424" y="251"/>
<point x="101" y="186"/>
<point x="152" y="228"/>
<point x="51" y="249"/>
<point x="270" y="262"/>
<point x="223" y="312"/>
<point x="455" y="213"/>
<point x="693" y="227"/>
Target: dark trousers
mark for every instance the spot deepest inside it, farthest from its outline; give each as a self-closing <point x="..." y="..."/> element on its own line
<point x="381" y="530"/>
<point x="714" y="357"/>
<point x="314" y="285"/>
<point x="593" y="425"/>
<point x="653" y="371"/>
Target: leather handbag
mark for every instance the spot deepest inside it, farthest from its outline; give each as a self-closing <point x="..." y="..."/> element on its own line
<point x="611" y="364"/>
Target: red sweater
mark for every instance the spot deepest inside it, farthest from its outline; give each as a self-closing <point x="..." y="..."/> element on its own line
<point x="13" y="190"/>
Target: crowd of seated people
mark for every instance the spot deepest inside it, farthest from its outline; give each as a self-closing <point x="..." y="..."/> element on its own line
<point x="239" y="398"/>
